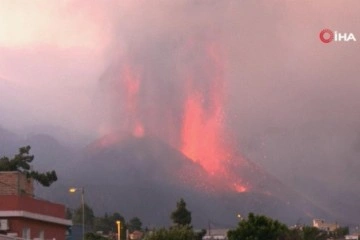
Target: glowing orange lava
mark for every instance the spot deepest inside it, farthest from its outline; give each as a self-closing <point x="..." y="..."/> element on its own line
<point x="138" y="130"/>
<point x="202" y="130"/>
<point x="131" y="84"/>
<point x="201" y="136"/>
<point x="240" y="188"/>
<point x="202" y="127"/>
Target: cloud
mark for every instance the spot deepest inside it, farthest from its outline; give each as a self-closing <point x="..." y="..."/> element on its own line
<point x="290" y="101"/>
<point x="64" y="57"/>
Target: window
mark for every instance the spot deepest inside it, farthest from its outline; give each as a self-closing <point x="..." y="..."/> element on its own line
<point x="41" y="234"/>
<point x="26" y="233"/>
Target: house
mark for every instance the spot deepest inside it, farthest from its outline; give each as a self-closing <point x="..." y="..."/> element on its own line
<point x="22" y="215"/>
<point x="218" y="234"/>
<point x="325" y="226"/>
<point x="136" y="235"/>
<point x="352" y="237"/>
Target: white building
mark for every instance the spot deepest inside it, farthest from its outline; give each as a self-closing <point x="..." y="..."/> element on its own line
<point x="352" y="237"/>
<point x="216" y="234"/>
<point x="325" y="226"/>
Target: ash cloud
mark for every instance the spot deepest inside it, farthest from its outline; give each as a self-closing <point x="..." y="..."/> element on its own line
<point x="291" y="102"/>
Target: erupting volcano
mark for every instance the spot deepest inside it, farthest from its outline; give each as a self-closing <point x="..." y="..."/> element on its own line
<point x="203" y="124"/>
<point x="202" y="136"/>
<point x="170" y="139"/>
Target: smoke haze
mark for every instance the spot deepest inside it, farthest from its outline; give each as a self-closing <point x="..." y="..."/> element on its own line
<point x="249" y="77"/>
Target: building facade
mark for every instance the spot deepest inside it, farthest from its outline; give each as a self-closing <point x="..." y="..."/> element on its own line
<point x="216" y="234"/>
<point x="24" y="216"/>
<point x="325" y="226"/>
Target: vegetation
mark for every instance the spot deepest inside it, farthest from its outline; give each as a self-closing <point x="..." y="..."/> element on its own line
<point x="181" y="216"/>
<point x="258" y="227"/>
<point x="94" y="236"/>
<point x="340" y="232"/>
<point x="89" y="217"/>
<point x="21" y="162"/>
<point x="106" y="224"/>
<point x="200" y="234"/>
<point x="134" y="224"/>
<point x="313" y="233"/>
<point x="181" y="230"/>
<point x="68" y="214"/>
<point x="255" y="227"/>
<point x="175" y="233"/>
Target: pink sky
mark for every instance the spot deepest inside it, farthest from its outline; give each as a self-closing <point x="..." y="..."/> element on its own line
<point x="52" y="53"/>
<point x="290" y="98"/>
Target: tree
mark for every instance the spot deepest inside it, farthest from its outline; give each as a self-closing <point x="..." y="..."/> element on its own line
<point x="104" y="224"/>
<point x="134" y="224"/>
<point x="181" y="216"/>
<point x="107" y="224"/>
<point x="21" y="162"/>
<point x="313" y="233"/>
<point x="182" y="229"/>
<point x="175" y="233"/>
<point x="68" y="214"/>
<point x="340" y="232"/>
<point x="89" y="216"/>
<point x="200" y="234"/>
<point x="259" y="227"/>
<point x="94" y="236"/>
<point x="295" y="234"/>
<point x="117" y="217"/>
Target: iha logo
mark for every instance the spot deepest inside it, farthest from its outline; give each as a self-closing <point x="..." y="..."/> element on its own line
<point x="327" y="36"/>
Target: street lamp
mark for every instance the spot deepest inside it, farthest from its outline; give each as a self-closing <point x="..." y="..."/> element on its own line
<point x="73" y="190"/>
<point x="239" y="217"/>
<point x="118" y="229"/>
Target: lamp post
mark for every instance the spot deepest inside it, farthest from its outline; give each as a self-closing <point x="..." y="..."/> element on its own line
<point x="118" y="229"/>
<point x="73" y="190"/>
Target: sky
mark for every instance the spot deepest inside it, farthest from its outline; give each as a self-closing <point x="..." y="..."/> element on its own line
<point x="289" y="100"/>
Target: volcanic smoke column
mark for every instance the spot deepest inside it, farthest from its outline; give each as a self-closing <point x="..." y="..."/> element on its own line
<point x="131" y="85"/>
<point x="203" y="133"/>
<point x="203" y="117"/>
<point x="180" y="100"/>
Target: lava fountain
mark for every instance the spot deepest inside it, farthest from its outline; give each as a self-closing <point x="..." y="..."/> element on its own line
<point x="198" y="70"/>
<point x="203" y="133"/>
<point x="131" y="86"/>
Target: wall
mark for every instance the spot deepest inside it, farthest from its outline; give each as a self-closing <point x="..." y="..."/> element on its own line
<point x="13" y="202"/>
<point x="51" y="230"/>
<point x="15" y="183"/>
